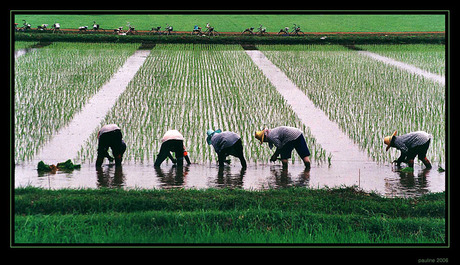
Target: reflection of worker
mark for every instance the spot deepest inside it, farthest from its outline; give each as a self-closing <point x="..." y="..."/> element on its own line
<point x="411" y="145"/>
<point x="172" y="141"/>
<point x="285" y="139"/>
<point x="226" y="143"/>
<point x="110" y="136"/>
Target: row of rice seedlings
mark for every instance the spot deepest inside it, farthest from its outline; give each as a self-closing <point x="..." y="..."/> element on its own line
<point x="193" y="88"/>
<point x="429" y="57"/>
<point x="52" y="83"/>
<point x="367" y="98"/>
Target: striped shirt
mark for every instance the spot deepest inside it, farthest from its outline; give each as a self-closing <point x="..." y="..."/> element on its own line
<point x="223" y="140"/>
<point x="408" y="141"/>
<point x="279" y="136"/>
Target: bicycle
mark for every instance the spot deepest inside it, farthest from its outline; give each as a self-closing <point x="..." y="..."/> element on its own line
<point x="131" y="30"/>
<point x="168" y="30"/>
<point x="96" y="27"/>
<point x="261" y="30"/>
<point x="57" y="27"/>
<point x="156" y="30"/>
<point x="284" y="31"/>
<point x="25" y="26"/>
<point x="296" y="31"/>
<point x="197" y="31"/>
<point x="249" y="30"/>
<point x="210" y="30"/>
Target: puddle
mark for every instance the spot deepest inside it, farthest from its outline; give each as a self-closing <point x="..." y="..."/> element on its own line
<point x="381" y="179"/>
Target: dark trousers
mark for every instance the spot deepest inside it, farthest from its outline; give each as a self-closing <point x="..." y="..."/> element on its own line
<point x="299" y="144"/>
<point x="234" y="150"/>
<point x="176" y="146"/>
<point x="114" y="141"/>
<point x="419" y="151"/>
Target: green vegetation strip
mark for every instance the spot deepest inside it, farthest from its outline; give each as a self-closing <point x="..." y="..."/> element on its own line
<point x="343" y="39"/>
<point x="294" y="215"/>
<point x="320" y="22"/>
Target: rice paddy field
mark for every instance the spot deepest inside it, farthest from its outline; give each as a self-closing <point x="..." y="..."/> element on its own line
<point x="367" y="98"/>
<point x="53" y="83"/>
<point x="195" y="87"/>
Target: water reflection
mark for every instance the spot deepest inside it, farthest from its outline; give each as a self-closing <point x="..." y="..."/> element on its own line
<point x="226" y="179"/>
<point x="174" y="177"/>
<point x="110" y="177"/>
<point x="382" y="179"/>
<point x="409" y="183"/>
<point x="282" y="178"/>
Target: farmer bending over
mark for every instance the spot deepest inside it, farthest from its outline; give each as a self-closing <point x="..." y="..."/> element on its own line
<point x="411" y="145"/>
<point x="110" y="136"/>
<point x="285" y="139"/>
<point x="172" y="141"/>
<point x="226" y="143"/>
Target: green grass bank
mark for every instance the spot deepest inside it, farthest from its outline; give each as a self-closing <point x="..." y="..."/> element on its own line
<point x="310" y="22"/>
<point x="225" y="216"/>
<point x="342" y="39"/>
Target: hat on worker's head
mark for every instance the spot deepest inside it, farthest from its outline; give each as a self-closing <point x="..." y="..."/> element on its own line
<point x="260" y="135"/>
<point x="387" y="140"/>
<point x="210" y="133"/>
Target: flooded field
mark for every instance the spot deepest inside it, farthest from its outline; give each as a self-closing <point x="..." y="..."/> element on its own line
<point x="383" y="179"/>
<point x="342" y="125"/>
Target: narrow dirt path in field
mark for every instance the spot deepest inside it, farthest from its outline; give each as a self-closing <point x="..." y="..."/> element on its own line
<point x="66" y="143"/>
<point x="326" y="132"/>
<point x="410" y="68"/>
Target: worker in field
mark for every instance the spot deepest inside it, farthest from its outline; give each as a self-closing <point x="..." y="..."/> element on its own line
<point x="225" y="144"/>
<point x="411" y="145"/>
<point x="285" y="139"/>
<point x="172" y="141"/>
<point x="110" y="136"/>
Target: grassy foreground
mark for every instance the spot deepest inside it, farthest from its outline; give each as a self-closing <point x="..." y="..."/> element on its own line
<point x="294" y="215"/>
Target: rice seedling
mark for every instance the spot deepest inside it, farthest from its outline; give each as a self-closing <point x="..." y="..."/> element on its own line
<point x="367" y="98"/>
<point x="192" y="88"/>
<point x="429" y="57"/>
<point x="51" y="84"/>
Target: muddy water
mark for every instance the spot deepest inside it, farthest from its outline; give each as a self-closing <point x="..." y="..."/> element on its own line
<point x="381" y="179"/>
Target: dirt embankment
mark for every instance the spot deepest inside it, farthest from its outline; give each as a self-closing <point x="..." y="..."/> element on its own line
<point x="146" y="32"/>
